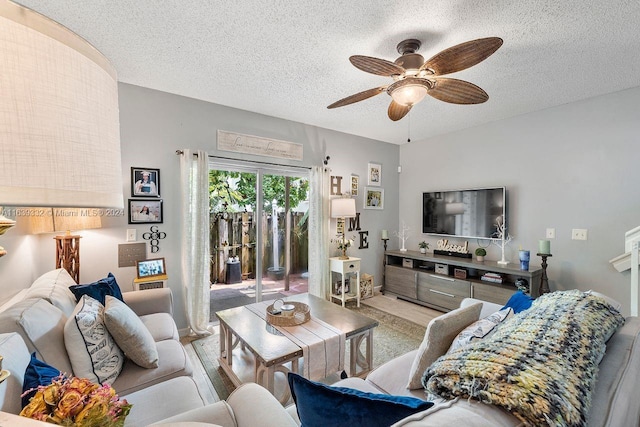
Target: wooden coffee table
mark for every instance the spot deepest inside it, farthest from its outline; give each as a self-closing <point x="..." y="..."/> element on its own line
<point x="272" y="350"/>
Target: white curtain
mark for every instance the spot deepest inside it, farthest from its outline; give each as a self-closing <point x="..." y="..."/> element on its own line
<point x="194" y="181"/>
<point x="319" y="276"/>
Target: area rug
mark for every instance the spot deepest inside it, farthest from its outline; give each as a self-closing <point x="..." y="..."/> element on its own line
<point x="392" y="338"/>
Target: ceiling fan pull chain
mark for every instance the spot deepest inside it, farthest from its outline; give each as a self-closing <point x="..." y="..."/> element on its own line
<point x="409" y="133"/>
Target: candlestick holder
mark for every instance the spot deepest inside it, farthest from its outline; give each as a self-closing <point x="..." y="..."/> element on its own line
<point x="384" y="263"/>
<point x="544" y="280"/>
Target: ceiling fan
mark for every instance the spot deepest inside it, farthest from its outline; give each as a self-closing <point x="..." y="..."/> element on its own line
<point x="414" y="78"/>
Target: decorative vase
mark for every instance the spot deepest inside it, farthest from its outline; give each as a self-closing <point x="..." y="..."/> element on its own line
<point x="479" y="258"/>
<point x="423" y="250"/>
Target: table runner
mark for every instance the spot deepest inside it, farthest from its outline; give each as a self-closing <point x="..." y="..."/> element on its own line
<point x="323" y="346"/>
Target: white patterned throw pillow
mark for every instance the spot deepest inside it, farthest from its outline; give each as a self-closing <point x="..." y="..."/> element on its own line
<point x="92" y="351"/>
<point x="480" y="329"/>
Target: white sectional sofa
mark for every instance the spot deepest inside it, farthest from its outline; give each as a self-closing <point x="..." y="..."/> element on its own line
<point x="171" y="398"/>
<point x="34" y="321"/>
<point x="612" y="402"/>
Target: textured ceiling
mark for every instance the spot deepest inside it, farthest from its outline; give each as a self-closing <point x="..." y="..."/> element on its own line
<point x="289" y="59"/>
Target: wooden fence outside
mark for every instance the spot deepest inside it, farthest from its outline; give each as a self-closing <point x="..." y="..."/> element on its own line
<point x="234" y="234"/>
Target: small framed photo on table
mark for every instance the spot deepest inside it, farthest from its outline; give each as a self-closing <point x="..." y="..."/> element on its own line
<point x="145" y="182"/>
<point x="145" y="211"/>
<point x="373" y="198"/>
<point x="150" y="268"/>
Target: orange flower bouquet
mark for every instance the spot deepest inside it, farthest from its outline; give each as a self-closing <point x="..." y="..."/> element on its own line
<point x="77" y="402"/>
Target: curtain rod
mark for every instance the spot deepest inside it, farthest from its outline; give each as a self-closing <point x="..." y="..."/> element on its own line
<point x="180" y="152"/>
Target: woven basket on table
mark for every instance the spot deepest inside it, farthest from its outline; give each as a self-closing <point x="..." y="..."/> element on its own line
<point x="301" y="314"/>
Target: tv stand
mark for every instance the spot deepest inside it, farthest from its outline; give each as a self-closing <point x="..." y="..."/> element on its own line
<point x="442" y="281"/>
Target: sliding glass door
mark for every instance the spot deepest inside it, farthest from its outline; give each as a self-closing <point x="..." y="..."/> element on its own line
<point x="258" y="233"/>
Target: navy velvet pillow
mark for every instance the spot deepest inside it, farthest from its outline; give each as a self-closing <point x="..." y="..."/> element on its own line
<point x="37" y="373"/>
<point x="519" y="302"/>
<point x="98" y="290"/>
<point x="322" y="405"/>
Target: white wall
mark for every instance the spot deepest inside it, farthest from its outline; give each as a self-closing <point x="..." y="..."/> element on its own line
<point x="573" y="166"/>
<point x="153" y="126"/>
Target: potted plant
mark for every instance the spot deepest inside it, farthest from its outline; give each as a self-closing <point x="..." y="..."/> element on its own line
<point x="480" y="253"/>
<point x="423" y="247"/>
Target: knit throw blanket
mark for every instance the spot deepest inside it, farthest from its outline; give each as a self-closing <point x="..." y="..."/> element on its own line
<point x="541" y="365"/>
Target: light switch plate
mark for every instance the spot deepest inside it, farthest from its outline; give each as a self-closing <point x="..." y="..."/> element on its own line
<point x="131" y="235"/>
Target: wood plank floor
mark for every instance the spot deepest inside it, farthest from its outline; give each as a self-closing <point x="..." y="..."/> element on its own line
<point x="406" y="310"/>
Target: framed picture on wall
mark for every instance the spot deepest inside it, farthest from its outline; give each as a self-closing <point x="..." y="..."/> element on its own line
<point x="373" y="198"/>
<point x="354" y="184"/>
<point x="145" y="182"/>
<point x="145" y="211"/>
<point x="375" y="174"/>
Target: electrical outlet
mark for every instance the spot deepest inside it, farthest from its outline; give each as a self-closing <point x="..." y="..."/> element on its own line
<point x="551" y="233"/>
<point x="579" y="234"/>
<point x="131" y="235"/>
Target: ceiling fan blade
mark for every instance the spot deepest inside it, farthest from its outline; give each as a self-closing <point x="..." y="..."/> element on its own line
<point x="378" y="66"/>
<point x="360" y="96"/>
<point x="457" y="91"/>
<point x="397" y="111"/>
<point x="462" y="56"/>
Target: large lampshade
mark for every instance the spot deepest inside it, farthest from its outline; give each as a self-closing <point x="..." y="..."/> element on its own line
<point x="63" y="219"/>
<point x="343" y="208"/>
<point x="59" y="126"/>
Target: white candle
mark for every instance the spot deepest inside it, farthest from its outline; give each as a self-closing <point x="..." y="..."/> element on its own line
<point x="385" y="235"/>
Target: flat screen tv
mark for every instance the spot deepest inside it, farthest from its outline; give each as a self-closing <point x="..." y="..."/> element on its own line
<point x="470" y="213"/>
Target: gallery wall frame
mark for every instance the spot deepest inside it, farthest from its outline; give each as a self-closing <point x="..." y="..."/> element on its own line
<point x="145" y="182"/>
<point x="145" y="211"/>
<point x="373" y="198"/>
<point x="355" y="182"/>
<point x="374" y="174"/>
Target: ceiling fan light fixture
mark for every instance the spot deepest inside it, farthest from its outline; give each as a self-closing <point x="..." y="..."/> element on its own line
<point x="409" y="94"/>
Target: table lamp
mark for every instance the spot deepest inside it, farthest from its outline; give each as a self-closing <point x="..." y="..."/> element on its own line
<point x="67" y="245"/>
<point x="343" y="208"/>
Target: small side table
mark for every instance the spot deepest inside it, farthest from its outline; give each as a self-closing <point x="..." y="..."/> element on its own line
<point x="344" y="267"/>
<point x="150" y="283"/>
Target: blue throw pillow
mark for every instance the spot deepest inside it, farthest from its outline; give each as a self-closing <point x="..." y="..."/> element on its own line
<point x="98" y="290"/>
<point x="320" y="405"/>
<point x="519" y="302"/>
<point x="37" y="373"/>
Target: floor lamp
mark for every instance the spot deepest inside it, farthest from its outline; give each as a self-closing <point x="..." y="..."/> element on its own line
<point x="343" y="208"/>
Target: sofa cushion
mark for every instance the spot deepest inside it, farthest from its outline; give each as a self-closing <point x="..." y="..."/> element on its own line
<point x="41" y="326"/>
<point x="219" y="412"/>
<point x="391" y="377"/>
<point x="519" y="301"/>
<point x="438" y="337"/>
<point x="37" y="373"/>
<point x="99" y="289"/>
<point x="16" y="358"/>
<point x="173" y="362"/>
<point x="159" y="401"/>
<point x="481" y="328"/>
<point x="92" y="351"/>
<point x="53" y="286"/>
<point x="461" y="412"/>
<point x="133" y="338"/>
<point x="320" y="405"/>
<point x="614" y="401"/>
<point x="161" y="326"/>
